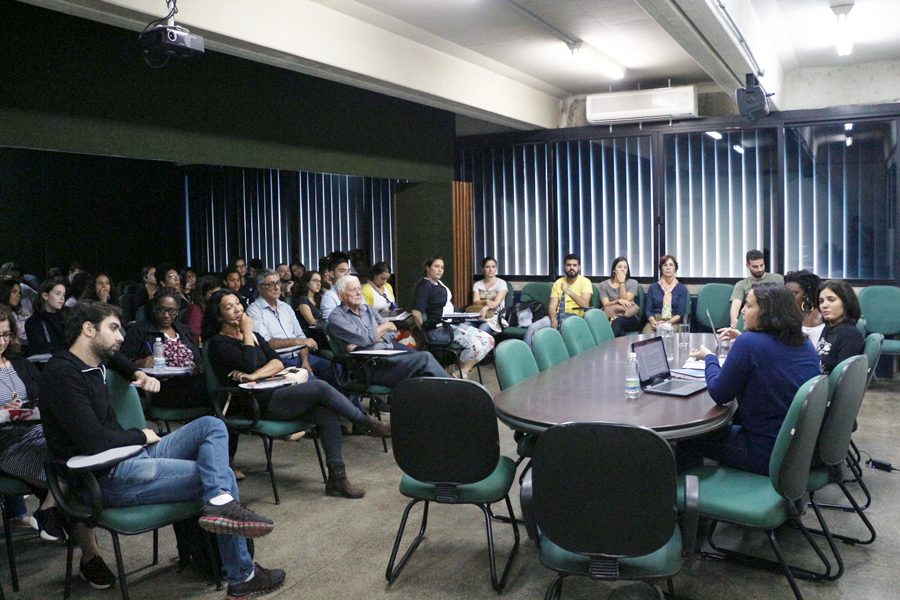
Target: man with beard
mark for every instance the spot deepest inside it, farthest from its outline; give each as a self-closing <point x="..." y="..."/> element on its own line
<point x="574" y="288"/>
<point x="287" y="283"/>
<point x="191" y="462"/>
<point x="756" y="264"/>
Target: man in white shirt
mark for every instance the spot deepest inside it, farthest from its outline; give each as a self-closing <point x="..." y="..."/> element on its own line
<point x="338" y="267"/>
<point x="276" y="321"/>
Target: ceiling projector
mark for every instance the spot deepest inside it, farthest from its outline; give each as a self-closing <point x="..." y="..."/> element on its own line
<point x="172" y="41"/>
<point x="752" y="101"/>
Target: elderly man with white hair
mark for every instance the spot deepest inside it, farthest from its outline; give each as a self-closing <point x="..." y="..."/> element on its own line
<point x="360" y="327"/>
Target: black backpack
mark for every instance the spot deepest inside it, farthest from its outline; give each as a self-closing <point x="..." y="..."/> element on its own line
<point x="522" y="314"/>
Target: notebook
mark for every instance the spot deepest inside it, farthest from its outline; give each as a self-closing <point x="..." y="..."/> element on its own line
<point x="654" y="373"/>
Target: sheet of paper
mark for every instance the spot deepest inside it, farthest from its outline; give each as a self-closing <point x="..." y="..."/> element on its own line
<point x="401" y="317"/>
<point x="378" y="352"/>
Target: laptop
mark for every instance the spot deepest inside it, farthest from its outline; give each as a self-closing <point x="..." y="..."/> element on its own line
<point x="653" y="371"/>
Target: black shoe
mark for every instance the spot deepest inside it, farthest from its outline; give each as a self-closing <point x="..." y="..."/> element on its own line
<point x="96" y="573"/>
<point x="263" y="582"/>
<point x="233" y="519"/>
<point x="49" y="522"/>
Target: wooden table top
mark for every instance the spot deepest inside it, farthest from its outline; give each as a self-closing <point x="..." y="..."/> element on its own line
<point x="590" y="387"/>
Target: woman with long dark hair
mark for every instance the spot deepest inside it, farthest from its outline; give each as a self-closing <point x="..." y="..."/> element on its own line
<point x="193" y="316"/>
<point x="100" y="288"/>
<point x="238" y="354"/>
<point x="11" y="297"/>
<point x="46" y="327"/>
<point x="805" y="287"/>
<point x="617" y="298"/>
<point x="766" y="366"/>
<point x="310" y="297"/>
<point x="840" y="339"/>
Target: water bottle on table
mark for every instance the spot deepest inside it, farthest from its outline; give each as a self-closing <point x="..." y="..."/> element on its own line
<point x="159" y="354"/>
<point x="632" y="379"/>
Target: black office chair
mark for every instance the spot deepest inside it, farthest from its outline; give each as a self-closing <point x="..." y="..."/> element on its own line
<point x="446" y="442"/>
<point x="605" y="499"/>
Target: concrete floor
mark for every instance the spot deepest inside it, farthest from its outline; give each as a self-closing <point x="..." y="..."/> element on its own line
<point x="335" y="548"/>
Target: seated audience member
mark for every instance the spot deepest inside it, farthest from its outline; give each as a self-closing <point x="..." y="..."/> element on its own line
<point x="840" y="339"/>
<point x="79" y="286"/>
<point x="378" y="293"/>
<point x="360" y="327"/>
<point x="189" y="463"/>
<point x="575" y="289"/>
<point x="287" y="283"/>
<point x="146" y="291"/>
<point x="28" y="284"/>
<point x="489" y="296"/>
<point x="100" y="288"/>
<point x="23" y="452"/>
<point x="359" y="260"/>
<point x="432" y="300"/>
<point x="231" y="280"/>
<point x="75" y="268"/>
<point x="756" y="264"/>
<point x="254" y="266"/>
<point x="277" y="323"/>
<point x="667" y="297"/>
<point x="193" y="316"/>
<point x="297" y="270"/>
<point x="11" y="298"/>
<point x="188" y="282"/>
<point x="310" y="297"/>
<point x="617" y="298"/>
<point x="238" y="354"/>
<point x="248" y="283"/>
<point x="46" y="327"/>
<point x="766" y="366"/>
<point x="338" y="267"/>
<point x="167" y="276"/>
<point x="805" y="287"/>
<point x="180" y="349"/>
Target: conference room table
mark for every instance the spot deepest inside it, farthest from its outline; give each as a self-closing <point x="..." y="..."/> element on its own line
<point x="590" y="387"/>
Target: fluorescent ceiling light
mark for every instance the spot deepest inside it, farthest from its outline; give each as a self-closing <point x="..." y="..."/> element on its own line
<point x="844" y="29"/>
<point x="849" y="141"/>
<point x="848" y="126"/>
<point x="587" y="54"/>
<point x="738" y="148"/>
<point x="714" y="135"/>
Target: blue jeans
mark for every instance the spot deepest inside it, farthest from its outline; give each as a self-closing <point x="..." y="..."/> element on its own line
<point x="189" y="463"/>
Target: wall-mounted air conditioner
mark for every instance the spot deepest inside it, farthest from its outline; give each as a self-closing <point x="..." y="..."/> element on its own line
<point x="643" y="105"/>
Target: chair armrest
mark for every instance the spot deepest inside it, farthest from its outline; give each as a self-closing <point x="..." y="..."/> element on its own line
<point x="691" y="514"/>
<point x="102" y="460"/>
<point x="352" y="366"/>
<point x="222" y="399"/>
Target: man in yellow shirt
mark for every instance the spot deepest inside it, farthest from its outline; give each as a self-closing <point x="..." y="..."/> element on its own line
<point x="576" y="289"/>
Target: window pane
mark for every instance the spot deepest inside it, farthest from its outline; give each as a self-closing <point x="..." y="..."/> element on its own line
<point x="839" y="199"/>
<point x="604" y="193"/>
<point x="718" y="205"/>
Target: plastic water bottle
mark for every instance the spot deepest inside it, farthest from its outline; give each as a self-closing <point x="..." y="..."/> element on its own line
<point x="668" y="335"/>
<point x="632" y="380"/>
<point x="159" y="354"/>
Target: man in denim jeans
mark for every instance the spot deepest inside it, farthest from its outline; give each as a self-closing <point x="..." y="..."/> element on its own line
<point x="192" y="462"/>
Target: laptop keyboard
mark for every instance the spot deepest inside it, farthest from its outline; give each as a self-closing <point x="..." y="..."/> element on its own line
<point x="668" y="386"/>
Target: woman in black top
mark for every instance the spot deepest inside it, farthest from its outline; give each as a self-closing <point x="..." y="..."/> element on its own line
<point x="46" y="327"/>
<point x="238" y="354"/>
<point x="310" y="295"/>
<point x="100" y="288"/>
<point x="841" y="339"/>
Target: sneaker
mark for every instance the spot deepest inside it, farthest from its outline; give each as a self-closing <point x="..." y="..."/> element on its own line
<point x="263" y="582"/>
<point x="96" y="573"/>
<point x="233" y="519"/>
<point x="49" y="522"/>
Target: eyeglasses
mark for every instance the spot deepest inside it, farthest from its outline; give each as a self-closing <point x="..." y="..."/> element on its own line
<point x="268" y="285"/>
<point x="173" y="276"/>
<point x="161" y="310"/>
<point x="7" y="335"/>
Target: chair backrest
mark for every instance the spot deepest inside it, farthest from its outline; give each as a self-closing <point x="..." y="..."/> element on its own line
<point x="604" y="489"/>
<point x="537" y="290"/>
<point x="881" y="305"/>
<point x="577" y="335"/>
<point x="337" y="346"/>
<point x="716" y="298"/>
<point x="444" y="430"/>
<point x="141" y="313"/>
<point x="846" y="388"/>
<point x="796" y="442"/>
<point x="874" y="342"/>
<point x="514" y="363"/>
<point x="125" y="401"/>
<point x="595" y="297"/>
<point x="131" y="287"/>
<point x="212" y="381"/>
<point x="598" y="323"/>
<point x="549" y="347"/>
<point x="510" y="297"/>
<point x="640" y="300"/>
<point x="861" y="324"/>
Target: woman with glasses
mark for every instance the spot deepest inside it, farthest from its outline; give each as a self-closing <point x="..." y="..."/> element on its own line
<point x="46" y="327"/>
<point x="180" y="349"/>
<point x="167" y="276"/>
<point x="11" y="297"/>
<point x="378" y="293"/>
<point x="188" y="282"/>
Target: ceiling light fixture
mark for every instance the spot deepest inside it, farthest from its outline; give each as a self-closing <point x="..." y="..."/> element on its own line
<point x="714" y="135"/>
<point x="848" y="126"/>
<point x="738" y="148"/>
<point x="849" y="141"/>
<point x="844" y="29"/>
<point x="604" y="63"/>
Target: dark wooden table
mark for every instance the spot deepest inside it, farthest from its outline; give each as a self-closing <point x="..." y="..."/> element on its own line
<point x="590" y="387"/>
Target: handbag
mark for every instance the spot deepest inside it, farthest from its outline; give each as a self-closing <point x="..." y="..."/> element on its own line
<point x="440" y="336"/>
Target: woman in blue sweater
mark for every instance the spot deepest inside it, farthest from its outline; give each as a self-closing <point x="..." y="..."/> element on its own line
<point x="766" y="366"/>
<point x="667" y="298"/>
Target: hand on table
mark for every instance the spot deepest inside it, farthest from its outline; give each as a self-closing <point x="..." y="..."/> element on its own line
<point x="150" y="384"/>
<point x="241" y="377"/>
<point x="700" y="353"/>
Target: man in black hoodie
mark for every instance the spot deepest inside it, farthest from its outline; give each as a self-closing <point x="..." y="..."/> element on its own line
<point x="192" y="462"/>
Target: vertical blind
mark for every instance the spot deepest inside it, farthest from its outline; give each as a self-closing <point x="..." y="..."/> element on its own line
<point x="279" y="216"/>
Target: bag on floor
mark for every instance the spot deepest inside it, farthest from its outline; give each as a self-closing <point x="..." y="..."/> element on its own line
<point x="522" y="314"/>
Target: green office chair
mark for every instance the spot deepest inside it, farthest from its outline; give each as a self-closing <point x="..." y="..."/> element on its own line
<point x="446" y="442"/>
<point x="641" y="300"/>
<point x="595" y="525"/>
<point x="595" y="298"/>
<point x="577" y="336"/>
<point x="10" y="487"/>
<point x="130" y="520"/>
<point x="763" y="503"/>
<point x="250" y="422"/>
<point x="716" y="298"/>
<point x="515" y="363"/>
<point x="536" y="290"/>
<point x="847" y="386"/>
<point x="598" y="323"/>
<point x="881" y="306"/>
<point x="549" y="347"/>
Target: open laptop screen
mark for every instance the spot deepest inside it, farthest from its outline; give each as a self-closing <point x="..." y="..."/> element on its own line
<point x="651" y="356"/>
